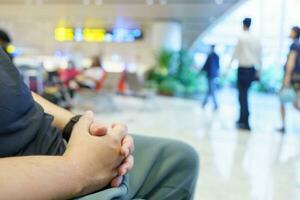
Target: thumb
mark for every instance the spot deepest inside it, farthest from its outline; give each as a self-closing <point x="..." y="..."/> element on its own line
<point x="98" y="130"/>
<point x="85" y="121"/>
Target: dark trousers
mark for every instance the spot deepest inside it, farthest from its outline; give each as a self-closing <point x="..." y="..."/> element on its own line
<point x="245" y="77"/>
<point x="212" y="86"/>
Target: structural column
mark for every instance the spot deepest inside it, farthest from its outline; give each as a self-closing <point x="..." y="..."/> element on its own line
<point x="166" y="35"/>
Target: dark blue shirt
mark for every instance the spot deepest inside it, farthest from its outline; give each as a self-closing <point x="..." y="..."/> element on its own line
<point x="295" y="46"/>
<point x="212" y="65"/>
<point x="24" y="127"/>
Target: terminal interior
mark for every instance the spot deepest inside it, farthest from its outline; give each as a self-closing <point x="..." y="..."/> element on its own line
<point x="151" y="53"/>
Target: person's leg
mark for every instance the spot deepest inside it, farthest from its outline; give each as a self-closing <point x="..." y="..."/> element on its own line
<point x="213" y="93"/>
<point x="240" y="88"/>
<point x="208" y="93"/>
<point x="251" y="73"/>
<point x="164" y="169"/>
<point x="245" y="78"/>
<point x="246" y="103"/>
<point x="283" y="117"/>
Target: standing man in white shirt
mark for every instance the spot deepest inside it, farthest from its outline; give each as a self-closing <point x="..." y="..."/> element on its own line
<point x="248" y="53"/>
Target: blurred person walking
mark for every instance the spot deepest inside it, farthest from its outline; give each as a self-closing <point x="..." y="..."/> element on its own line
<point x="248" y="53"/>
<point x="211" y="68"/>
<point x="291" y="82"/>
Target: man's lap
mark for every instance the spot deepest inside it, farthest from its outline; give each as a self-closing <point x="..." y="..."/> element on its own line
<point x="159" y="164"/>
<point x="155" y="158"/>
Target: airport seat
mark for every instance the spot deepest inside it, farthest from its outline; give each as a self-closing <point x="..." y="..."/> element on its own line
<point x="102" y="98"/>
<point x="136" y="85"/>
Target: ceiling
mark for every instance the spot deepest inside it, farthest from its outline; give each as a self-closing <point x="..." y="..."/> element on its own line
<point x="194" y="15"/>
<point x="108" y="2"/>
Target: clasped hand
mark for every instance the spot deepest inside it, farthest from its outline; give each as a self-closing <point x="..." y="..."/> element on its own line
<point x="127" y="148"/>
<point x="99" y="155"/>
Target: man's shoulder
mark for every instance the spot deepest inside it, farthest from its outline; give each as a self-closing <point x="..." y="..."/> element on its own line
<point x="215" y="55"/>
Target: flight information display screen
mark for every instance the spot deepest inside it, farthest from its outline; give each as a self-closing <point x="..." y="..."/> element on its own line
<point x="63" y="34"/>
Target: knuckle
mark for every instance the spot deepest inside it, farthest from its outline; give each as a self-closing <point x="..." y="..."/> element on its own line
<point x="122" y="127"/>
<point x="93" y="128"/>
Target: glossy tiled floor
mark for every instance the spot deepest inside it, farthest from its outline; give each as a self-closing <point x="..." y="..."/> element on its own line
<point x="261" y="165"/>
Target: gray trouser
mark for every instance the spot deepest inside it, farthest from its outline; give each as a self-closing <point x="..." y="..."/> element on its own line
<point x="164" y="169"/>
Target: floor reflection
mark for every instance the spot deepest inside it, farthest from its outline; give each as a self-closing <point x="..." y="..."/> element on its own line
<point x="262" y="165"/>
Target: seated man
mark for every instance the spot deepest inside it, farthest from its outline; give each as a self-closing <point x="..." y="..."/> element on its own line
<point x="36" y="163"/>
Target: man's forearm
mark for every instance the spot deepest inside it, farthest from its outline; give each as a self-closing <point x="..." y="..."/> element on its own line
<point x="38" y="177"/>
<point x="61" y="116"/>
